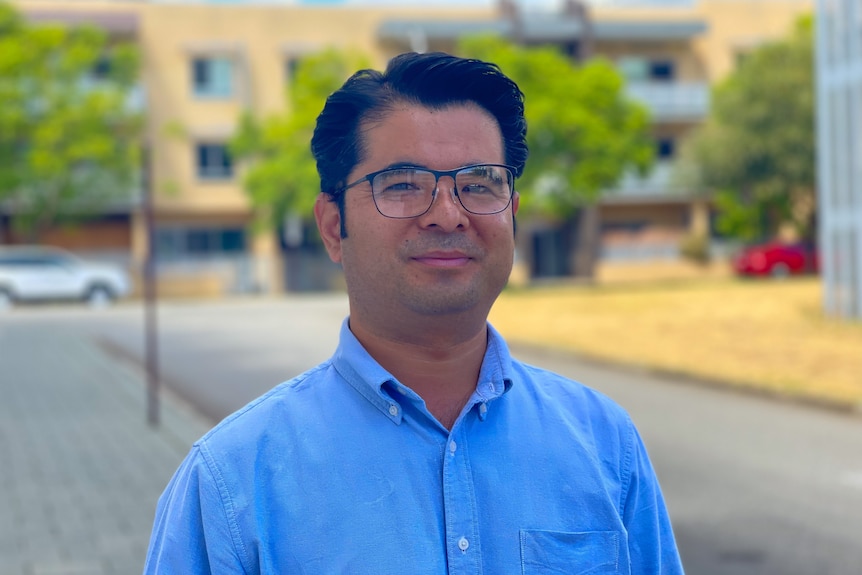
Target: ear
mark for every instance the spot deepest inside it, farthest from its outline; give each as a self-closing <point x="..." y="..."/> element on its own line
<point x="329" y="226"/>
<point x="516" y="201"/>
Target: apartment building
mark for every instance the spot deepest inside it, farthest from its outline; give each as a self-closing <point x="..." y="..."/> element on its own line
<point x="207" y="63"/>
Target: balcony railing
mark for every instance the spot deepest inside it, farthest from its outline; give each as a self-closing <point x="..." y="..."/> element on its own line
<point x="672" y="101"/>
<point x="659" y="183"/>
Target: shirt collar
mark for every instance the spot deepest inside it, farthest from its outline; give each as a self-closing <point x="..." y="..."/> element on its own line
<point x="495" y="376"/>
<point x="364" y="374"/>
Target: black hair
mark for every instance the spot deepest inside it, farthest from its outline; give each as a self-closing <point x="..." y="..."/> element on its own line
<point x="435" y="80"/>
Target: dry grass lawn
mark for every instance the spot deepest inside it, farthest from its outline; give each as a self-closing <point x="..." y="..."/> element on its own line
<point x="768" y="335"/>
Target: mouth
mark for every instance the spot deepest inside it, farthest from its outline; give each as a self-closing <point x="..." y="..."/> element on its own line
<point x="443" y="259"/>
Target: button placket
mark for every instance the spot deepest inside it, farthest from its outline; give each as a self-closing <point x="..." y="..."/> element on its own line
<point x="460" y="506"/>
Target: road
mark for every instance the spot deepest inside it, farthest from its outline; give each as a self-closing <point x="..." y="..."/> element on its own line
<point x="755" y="486"/>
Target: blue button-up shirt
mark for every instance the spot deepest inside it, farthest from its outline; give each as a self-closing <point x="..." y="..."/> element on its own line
<point x="344" y="470"/>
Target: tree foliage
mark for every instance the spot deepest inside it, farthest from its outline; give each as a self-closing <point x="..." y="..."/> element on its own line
<point x="280" y="175"/>
<point x="69" y="141"/>
<point x="756" y="150"/>
<point x="582" y="132"/>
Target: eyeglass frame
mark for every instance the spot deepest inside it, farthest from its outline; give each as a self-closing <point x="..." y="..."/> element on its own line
<point x="437" y="175"/>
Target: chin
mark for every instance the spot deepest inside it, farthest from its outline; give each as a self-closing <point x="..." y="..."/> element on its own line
<point x="449" y="301"/>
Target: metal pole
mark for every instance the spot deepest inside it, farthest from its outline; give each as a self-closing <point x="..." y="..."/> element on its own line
<point x="150" y="300"/>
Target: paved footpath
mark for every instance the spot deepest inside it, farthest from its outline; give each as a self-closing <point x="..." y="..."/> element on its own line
<point x="80" y="469"/>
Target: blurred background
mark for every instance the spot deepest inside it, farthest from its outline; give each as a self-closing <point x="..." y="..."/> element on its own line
<point x="668" y="131"/>
<point x="691" y="214"/>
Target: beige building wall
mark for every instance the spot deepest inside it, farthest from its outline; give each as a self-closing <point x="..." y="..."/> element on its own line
<point x="737" y="26"/>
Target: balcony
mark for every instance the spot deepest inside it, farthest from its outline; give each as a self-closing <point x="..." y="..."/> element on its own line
<point x="672" y="101"/>
<point x="660" y="184"/>
<point x="537" y="27"/>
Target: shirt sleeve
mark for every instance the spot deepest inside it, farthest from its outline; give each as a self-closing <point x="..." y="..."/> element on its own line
<point x="652" y="547"/>
<point x="192" y="533"/>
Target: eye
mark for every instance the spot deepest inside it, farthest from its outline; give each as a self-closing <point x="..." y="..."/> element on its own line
<point x="475" y="189"/>
<point x="482" y="180"/>
<point x="405" y="186"/>
<point x="401" y="182"/>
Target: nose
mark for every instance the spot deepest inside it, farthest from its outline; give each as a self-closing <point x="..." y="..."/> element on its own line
<point x="446" y="211"/>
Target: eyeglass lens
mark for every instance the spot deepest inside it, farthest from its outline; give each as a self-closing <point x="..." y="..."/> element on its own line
<point x="409" y="192"/>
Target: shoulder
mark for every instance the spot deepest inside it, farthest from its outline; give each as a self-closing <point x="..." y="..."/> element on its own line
<point x="570" y="409"/>
<point x="568" y="394"/>
<point x="286" y="405"/>
<point x="551" y="389"/>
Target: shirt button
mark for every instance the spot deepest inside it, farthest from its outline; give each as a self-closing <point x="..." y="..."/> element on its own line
<point x="393" y="410"/>
<point x="452" y="447"/>
<point x="483" y="408"/>
<point x="463" y="544"/>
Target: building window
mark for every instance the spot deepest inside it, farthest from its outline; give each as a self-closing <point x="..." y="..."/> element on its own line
<point x="665" y="148"/>
<point x="179" y="242"/>
<point x="213" y="162"/>
<point x="293" y="54"/>
<point x="662" y="70"/>
<point x="212" y="77"/>
<point x="102" y="68"/>
<point x="633" y="68"/>
<point x="291" y="65"/>
<point x="639" y="69"/>
<point x="571" y="50"/>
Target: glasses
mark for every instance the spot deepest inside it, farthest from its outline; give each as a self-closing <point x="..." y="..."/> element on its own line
<point x="408" y="192"/>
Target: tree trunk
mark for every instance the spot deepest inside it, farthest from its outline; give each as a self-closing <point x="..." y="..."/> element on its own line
<point x="585" y="242"/>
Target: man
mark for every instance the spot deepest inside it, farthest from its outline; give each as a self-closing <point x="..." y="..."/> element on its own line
<point x="421" y="446"/>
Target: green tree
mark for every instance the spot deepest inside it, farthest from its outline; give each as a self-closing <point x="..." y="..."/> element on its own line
<point x="582" y="132"/>
<point x="756" y="150"/>
<point x="281" y="175"/>
<point x="69" y="140"/>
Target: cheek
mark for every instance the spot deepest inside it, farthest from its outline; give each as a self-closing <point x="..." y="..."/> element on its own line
<point x="501" y="232"/>
<point x="369" y="243"/>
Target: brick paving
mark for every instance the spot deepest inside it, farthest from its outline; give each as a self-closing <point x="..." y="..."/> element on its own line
<point x="80" y="469"/>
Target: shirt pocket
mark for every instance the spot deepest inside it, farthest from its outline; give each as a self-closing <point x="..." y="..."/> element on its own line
<point x="585" y="553"/>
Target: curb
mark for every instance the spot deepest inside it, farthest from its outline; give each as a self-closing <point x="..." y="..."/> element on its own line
<point x="750" y="389"/>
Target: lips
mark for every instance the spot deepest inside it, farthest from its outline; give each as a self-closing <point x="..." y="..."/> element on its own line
<point x="443" y="259"/>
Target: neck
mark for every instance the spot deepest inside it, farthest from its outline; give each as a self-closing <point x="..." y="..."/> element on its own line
<point x="442" y="368"/>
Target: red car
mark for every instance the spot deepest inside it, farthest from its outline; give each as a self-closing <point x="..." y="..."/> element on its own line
<point x="776" y="260"/>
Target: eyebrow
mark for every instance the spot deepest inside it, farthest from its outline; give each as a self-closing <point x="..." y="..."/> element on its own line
<point x="397" y="165"/>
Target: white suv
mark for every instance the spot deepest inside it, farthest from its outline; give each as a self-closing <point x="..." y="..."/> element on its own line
<point x="32" y="273"/>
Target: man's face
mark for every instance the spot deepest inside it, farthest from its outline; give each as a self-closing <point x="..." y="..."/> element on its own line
<point x="445" y="261"/>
